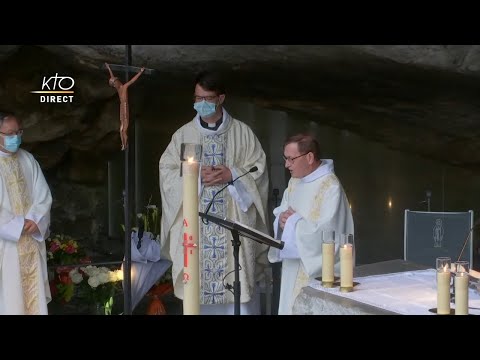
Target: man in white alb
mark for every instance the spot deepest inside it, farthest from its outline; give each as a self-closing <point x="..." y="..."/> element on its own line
<point x="25" y="202"/>
<point x="314" y="201"/>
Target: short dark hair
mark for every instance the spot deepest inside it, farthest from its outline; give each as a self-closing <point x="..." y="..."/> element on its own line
<point x="211" y="80"/>
<point x="306" y="143"/>
<point x="6" y="114"/>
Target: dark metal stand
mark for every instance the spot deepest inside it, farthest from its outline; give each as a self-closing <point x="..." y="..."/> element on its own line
<point x="236" y="284"/>
<point x="129" y="190"/>
<point x="238" y="230"/>
<point x="128" y="199"/>
<point x="452" y="293"/>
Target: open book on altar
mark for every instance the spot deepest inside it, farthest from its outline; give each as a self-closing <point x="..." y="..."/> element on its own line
<point x="243" y="230"/>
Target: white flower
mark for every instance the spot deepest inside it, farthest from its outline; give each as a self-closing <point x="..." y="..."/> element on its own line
<point x="75" y="276"/>
<point x="103" y="277"/>
<point x="90" y="270"/>
<point x="119" y="274"/>
<point x="93" y="281"/>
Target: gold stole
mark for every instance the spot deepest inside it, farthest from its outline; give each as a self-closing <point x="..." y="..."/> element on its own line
<point x="314" y="215"/>
<point x="27" y="246"/>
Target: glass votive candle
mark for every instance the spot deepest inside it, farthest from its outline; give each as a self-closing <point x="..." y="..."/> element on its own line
<point x="190" y="156"/>
<point x="443" y="285"/>
<point x="461" y="287"/>
<point x="328" y="258"/>
<point x="190" y="152"/>
<point x="346" y="263"/>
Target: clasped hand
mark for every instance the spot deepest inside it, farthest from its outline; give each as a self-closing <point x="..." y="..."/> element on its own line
<point x="29" y="227"/>
<point x="215" y="175"/>
<point x="284" y="216"/>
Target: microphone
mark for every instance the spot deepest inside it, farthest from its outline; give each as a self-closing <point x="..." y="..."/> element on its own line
<point x="253" y="169"/>
<point x="477" y="223"/>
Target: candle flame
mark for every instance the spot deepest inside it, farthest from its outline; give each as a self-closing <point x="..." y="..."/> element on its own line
<point x="190" y="160"/>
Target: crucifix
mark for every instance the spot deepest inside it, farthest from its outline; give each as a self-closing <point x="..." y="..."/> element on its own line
<point x="129" y="150"/>
<point x="122" y="90"/>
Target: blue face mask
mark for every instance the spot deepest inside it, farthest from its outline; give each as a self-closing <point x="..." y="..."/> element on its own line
<point x="205" y="108"/>
<point x="12" y="142"/>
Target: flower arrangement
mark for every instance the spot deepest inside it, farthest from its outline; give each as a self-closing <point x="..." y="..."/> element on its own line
<point x="144" y="235"/>
<point x="63" y="250"/>
<point x="97" y="285"/>
<point x="149" y="222"/>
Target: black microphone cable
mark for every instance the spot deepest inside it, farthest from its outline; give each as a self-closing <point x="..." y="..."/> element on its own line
<point x="253" y="169"/>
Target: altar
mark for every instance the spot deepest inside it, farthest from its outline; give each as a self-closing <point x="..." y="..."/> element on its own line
<point x="394" y="287"/>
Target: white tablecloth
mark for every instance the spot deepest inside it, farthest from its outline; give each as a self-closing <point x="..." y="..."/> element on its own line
<point x="408" y="293"/>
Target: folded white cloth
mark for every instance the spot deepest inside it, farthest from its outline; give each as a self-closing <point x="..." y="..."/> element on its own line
<point x="149" y="248"/>
<point x="144" y="276"/>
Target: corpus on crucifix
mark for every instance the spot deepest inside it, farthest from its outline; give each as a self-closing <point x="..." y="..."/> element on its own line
<point x="122" y="90"/>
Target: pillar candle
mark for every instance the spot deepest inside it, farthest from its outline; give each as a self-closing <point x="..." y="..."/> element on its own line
<point x="346" y="266"/>
<point x="443" y="291"/>
<point x="191" y="272"/>
<point x="461" y="294"/>
<point x="328" y="256"/>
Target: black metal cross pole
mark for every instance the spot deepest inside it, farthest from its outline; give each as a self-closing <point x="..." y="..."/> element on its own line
<point x="129" y="190"/>
<point x="129" y="198"/>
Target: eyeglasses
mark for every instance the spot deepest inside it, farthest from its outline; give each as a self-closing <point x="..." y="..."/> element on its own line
<point x="19" y="132"/>
<point x="296" y="157"/>
<point x="201" y="98"/>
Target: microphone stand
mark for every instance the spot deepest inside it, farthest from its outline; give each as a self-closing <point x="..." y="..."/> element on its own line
<point x="467" y="237"/>
<point x="236" y="254"/>
<point x="452" y="295"/>
<point x="236" y="247"/>
<point x="253" y="169"/>
<point x="236" y="284"/>
<point x="213" y="198"/>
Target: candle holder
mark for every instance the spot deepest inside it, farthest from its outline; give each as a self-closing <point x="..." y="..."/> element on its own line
<point x="328" y="258"/>
<point x="190" y="152"/>
<point x="443" y="266"/>
<point x="461" y="287"/>
<point x="346" y="263"/>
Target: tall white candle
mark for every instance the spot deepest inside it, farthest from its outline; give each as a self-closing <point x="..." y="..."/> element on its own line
<point x="191" y="272"/>
<point x="346" y="266"/>
<point x="461" y="293"/>
<point x="328" y="256"/>
<point x="443" y="291"/>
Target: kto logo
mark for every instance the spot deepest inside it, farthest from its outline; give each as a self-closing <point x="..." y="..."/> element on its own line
<point x="56" y="85"/>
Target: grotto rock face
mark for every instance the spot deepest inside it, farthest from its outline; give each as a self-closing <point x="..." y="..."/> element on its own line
<point x="418" y="99"/>
<point x="422" y="99"/>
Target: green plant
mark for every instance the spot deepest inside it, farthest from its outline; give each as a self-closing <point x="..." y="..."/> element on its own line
<point x="150" y="219"/>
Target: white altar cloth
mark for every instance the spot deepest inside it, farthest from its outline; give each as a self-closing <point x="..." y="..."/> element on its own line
<point x="407" y="293"/>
